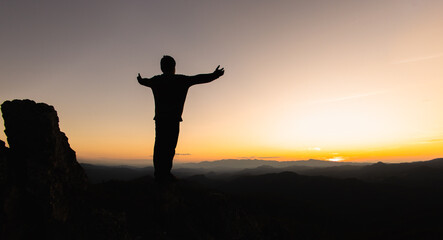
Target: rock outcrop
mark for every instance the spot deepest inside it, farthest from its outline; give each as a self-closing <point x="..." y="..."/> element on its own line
<point x="42" y="160"/>
<point x="44" y="190"/>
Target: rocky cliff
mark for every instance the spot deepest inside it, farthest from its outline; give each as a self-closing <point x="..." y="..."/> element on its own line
<point x="43" y="188"/>
<point x="42" y="160"/>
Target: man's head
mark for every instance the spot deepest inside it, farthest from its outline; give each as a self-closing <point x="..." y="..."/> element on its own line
<point x="167" y="64"/>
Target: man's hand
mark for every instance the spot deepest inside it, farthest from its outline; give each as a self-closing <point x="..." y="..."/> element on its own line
<point x="139" y="77"/>
<point x="219" y="72"/>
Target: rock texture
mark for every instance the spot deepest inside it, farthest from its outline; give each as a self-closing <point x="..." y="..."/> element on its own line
<point x="44" y="190"/>
<point x="44" y="163"/>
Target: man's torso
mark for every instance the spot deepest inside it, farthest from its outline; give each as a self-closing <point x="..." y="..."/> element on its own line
<point x="169" y="94"/>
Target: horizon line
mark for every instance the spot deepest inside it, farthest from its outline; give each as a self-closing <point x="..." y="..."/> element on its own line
<point x="87" y="161"/>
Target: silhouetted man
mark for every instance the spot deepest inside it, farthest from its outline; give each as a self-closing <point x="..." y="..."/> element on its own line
<point x="170" y="91"/>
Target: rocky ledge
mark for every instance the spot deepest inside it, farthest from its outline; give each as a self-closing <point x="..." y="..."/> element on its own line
<point x="44" y="189"/>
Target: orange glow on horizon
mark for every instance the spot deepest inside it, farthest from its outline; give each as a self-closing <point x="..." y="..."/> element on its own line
<point x="336" y="159"/>
<point x="420" y="151"/>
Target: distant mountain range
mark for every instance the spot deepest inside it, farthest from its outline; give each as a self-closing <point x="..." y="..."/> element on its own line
<point x="99" y="173"/>
<point x="232" y="164"/>
<point x="231" y="168"/>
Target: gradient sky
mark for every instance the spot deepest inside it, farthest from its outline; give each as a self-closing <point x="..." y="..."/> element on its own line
<point x="338" y="80"/>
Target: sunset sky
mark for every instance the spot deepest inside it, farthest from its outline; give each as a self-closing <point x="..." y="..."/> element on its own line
<point x="332" y="80"/>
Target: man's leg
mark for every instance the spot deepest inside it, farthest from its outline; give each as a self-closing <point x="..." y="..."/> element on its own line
<point x="166" y="136"/>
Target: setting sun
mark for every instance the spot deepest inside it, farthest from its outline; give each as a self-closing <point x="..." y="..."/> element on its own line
<point x="336" y="159"/>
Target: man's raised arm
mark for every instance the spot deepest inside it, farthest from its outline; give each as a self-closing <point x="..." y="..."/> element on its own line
<point x="209" y="77"/>
<point x="144" y="81"/>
